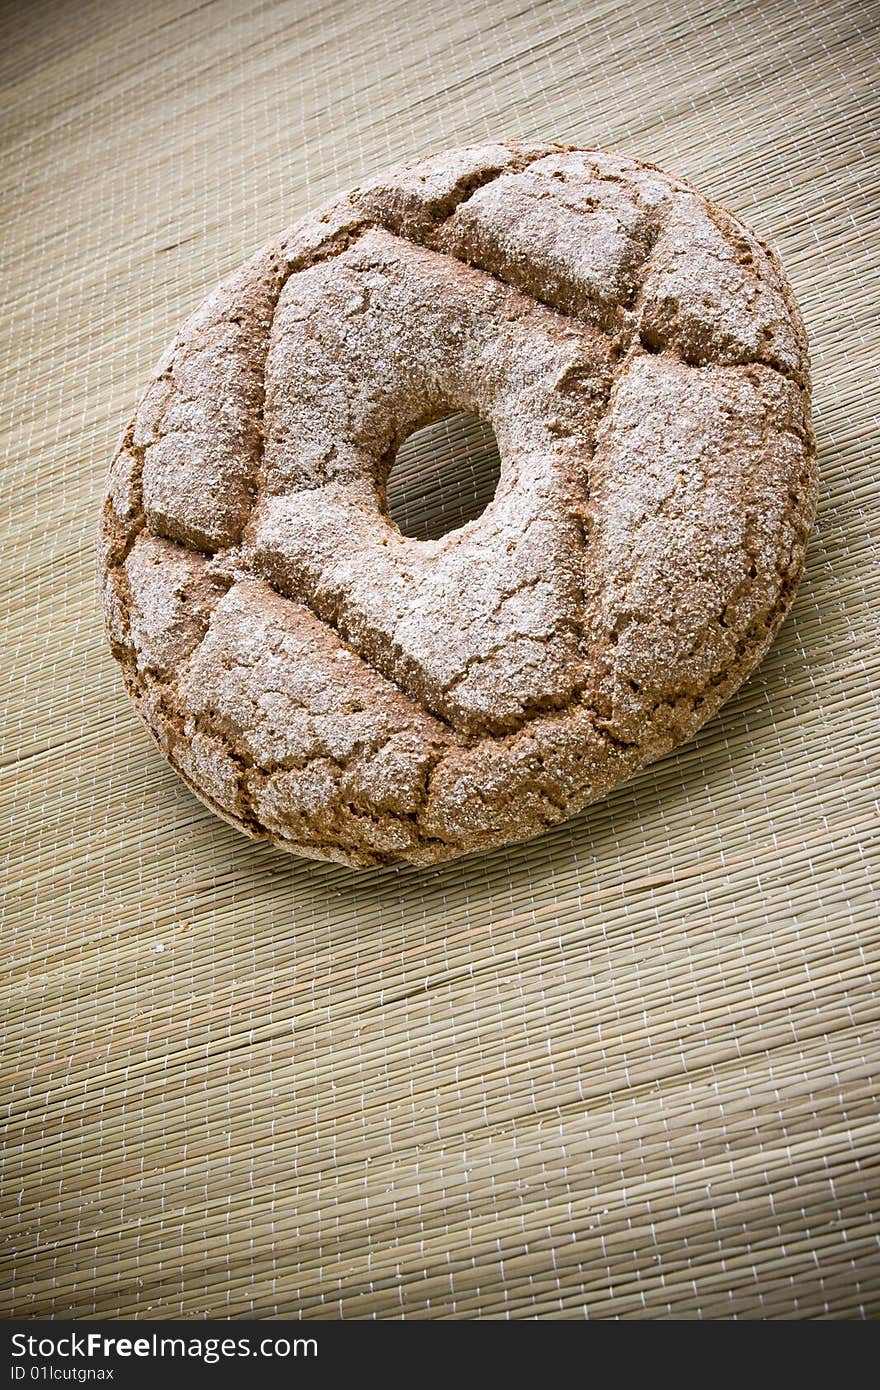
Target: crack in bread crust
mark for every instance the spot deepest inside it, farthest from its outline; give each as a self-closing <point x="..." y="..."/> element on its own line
<point x="646" y="539"/>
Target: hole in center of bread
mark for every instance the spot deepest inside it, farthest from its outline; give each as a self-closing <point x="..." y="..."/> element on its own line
<point x="444" y="475"/>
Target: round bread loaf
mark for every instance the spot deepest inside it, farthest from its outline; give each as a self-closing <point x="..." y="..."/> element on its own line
<point x="349" y="693"/>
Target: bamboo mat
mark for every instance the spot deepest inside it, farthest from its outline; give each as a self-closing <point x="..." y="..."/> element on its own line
<point x="627" y="1070"/>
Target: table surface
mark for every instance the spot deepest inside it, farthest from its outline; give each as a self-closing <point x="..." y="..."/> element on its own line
<point x="626" y="1070"/>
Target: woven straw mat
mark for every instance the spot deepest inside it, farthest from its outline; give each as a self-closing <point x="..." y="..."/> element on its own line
<point x="626" y="1070"/>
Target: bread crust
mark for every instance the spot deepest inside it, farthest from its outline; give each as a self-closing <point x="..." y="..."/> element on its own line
<point x="323" y="682"/>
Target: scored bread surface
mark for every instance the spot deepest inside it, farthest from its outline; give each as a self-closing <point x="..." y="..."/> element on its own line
<point x="352" y="694"/>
